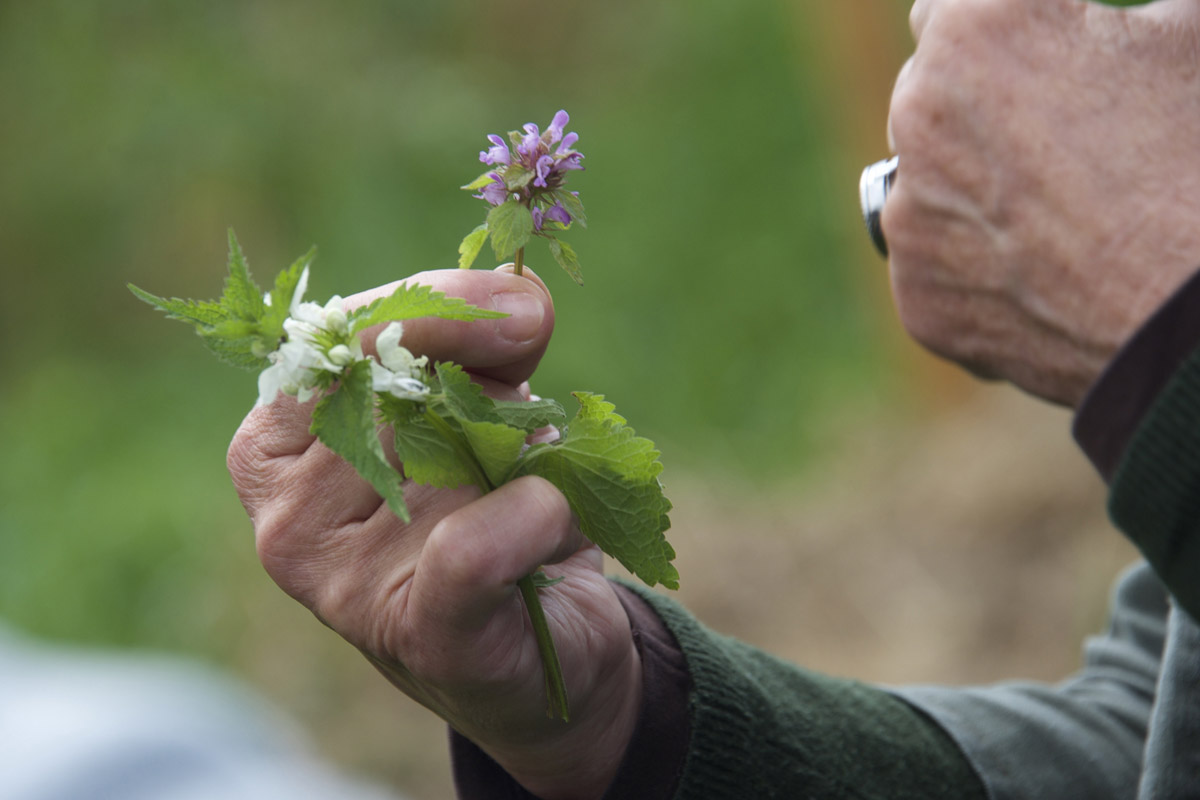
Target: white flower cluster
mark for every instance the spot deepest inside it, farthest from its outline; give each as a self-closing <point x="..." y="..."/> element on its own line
<point x="319" y="340"/>
<point x="400" y="372"/>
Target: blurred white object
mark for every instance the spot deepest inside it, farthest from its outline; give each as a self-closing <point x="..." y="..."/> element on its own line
<point x="78" y="724"/>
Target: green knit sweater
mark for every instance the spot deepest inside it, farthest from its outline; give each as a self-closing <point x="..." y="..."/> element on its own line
<point x="765" y="728"/>
<point x="1153" y="498"/>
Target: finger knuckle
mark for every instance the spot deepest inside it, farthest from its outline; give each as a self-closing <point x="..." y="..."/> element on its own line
<point x="922" y="316"/>
<point x="459" y="558"/>
<point x="284" y="542"/>
<point x="544" y="499"/>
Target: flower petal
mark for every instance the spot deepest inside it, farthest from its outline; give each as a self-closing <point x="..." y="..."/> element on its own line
<point x="496" y="154"/>
<point x="559" y="214"/>
<point x="388" y="345"/>
<point x="270" y="381"/>
<point x="555" y="131"/>
<point x="301" y="288"/>
<point x="564" y="147"/>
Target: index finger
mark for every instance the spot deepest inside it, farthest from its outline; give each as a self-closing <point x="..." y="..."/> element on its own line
<point x="506" y="349"/>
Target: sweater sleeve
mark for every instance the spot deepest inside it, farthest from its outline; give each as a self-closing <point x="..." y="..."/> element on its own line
<point x="762" y="727"/>
<point x="1155" y="493"/>
<point x="1139" y="426"/>
<point x="727" y="722"/>
<point x="1122" y="396"/>
<point x="1082" y="738"/>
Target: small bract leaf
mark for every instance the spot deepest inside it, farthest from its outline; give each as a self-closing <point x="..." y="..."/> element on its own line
<point x="471" y="244"/>
<point x="510" y="225"/>
<point x="564" y="254"/>
<point x="480" y="182"/>
<point x="571" y="202"/>
<point x="516" y="177"/>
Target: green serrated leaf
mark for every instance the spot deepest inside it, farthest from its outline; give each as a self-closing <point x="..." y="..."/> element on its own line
<point x="429" y="458"/>
<point x="511" y="225"/>
<point x="344" y="421"/>
<point x="197" y="312"/>
<point x="532" y="415"/>
<point x="241" y="297"/>
<point x="282" y="295"/>
<point x="494" y="432"/>
<point x="571" y="202"/>
<point x="609" y="475"/>
<point x="480" y="182"/>
<point x="464" y="398"/>
<point x="240" y="328"/>
<point x="564" y="254"/>
<point x="472" y="243"/>
<point x="496" y="447"/>
<point x="594" y="408"/>
<point x="241" y="353"/>
<point x="229" y="339"/>
<point x="409" y="302"/>
<point x="234" y="329"/>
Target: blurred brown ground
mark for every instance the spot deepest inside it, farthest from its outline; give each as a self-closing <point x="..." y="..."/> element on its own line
<point x="970" y="547"/>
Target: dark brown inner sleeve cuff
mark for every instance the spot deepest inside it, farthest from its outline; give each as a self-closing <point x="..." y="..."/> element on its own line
<point x="1119" y="399"/>
<point x="654" y="760"/>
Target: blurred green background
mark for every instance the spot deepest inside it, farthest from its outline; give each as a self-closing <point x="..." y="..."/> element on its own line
<point x="722" y="312"/>
<point x="734" y="309"/>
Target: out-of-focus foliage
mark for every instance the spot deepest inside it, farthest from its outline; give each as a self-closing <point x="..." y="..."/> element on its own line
<point x="723" y="310"/>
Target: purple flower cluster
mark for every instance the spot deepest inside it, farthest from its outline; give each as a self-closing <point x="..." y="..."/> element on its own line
<point x="533" y="170"/>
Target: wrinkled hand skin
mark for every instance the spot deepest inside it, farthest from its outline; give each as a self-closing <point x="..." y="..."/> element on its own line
<point x="1048" y="198"/>
<point x="433" y="604"/>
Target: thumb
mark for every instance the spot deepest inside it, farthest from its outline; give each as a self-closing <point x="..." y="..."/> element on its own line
<point x="507" y="349"/>
<point x="474" y="556"/>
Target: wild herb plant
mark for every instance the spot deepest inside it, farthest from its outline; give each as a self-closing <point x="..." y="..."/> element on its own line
<point x="526" y="189"/>
<point x="444" y="430"/>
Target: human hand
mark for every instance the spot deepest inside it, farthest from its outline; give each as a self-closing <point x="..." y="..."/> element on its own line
<point x="1049" y="192"/>
<point x="433" y="604"/>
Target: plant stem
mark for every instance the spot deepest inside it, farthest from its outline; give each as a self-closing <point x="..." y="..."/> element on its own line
<point x="519" y="260"/>
<point x="556" y="687"/>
